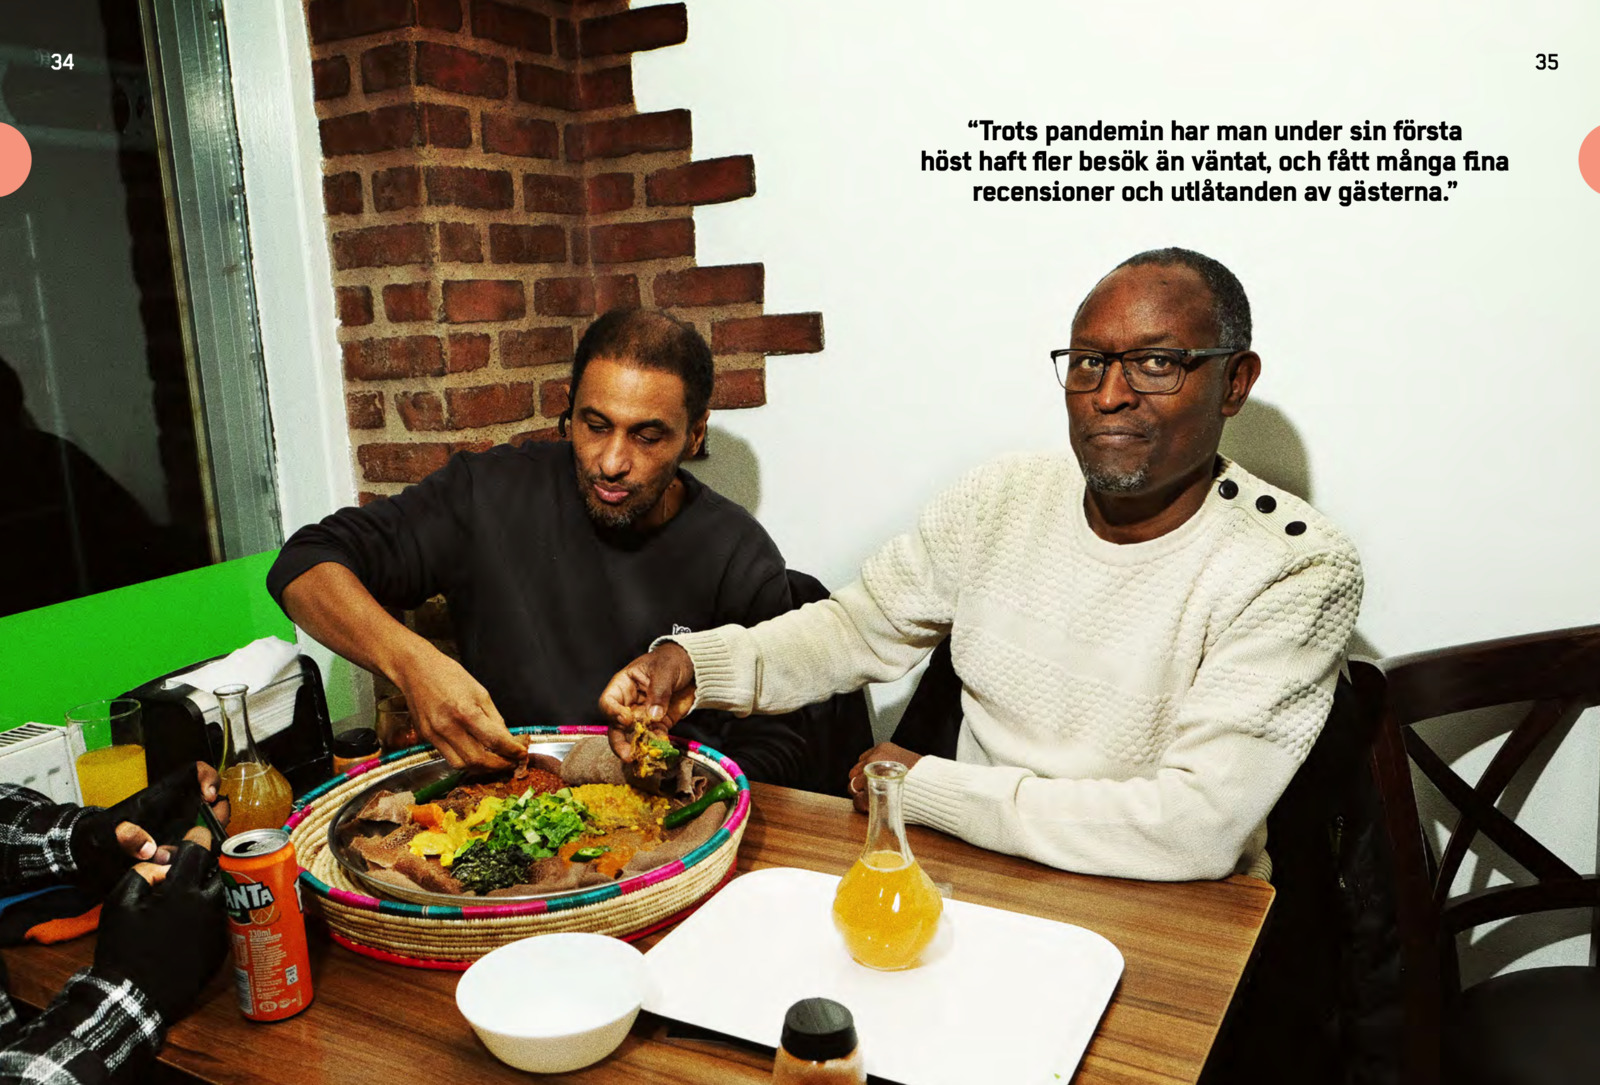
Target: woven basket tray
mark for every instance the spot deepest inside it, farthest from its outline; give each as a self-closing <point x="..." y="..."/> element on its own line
<point x="444" y="936"/>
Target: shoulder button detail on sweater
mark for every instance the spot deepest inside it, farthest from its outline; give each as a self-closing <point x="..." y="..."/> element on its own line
<point x="1295" y="527"/>
<point x="1266" y="503"/>
<point x="1228" y="488"/>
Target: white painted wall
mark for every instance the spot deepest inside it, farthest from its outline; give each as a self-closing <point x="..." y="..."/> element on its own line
<point x="270" y="59"/>
<point x="1427" y="375"/>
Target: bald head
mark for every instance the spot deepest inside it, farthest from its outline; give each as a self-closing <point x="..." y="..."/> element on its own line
<point x="1228" y="307"/>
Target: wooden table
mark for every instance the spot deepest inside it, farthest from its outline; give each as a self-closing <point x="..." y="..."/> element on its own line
<point x="1185" y="946"/>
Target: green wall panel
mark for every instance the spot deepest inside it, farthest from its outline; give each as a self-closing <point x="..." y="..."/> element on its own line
<point x="102" y="645"/>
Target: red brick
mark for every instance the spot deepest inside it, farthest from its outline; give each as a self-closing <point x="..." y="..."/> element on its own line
<point x="366" y="497"/>
<point x="458" y="186"/>
<point x="564" y="297"/>
<point x="739" y="388"/>
<point x="468" y="351"/>
<point x="387" y="359"/>
<point x="420" y="410"/>
<point x="791" y="333"/>
<point x="406" y="303"/>
<point x="386" y="67"/>
<point x="731" y="284"/>
<point x="461" y="71"/>
<point x="526" y="138"/>
<point x="460" y="242"/>
<point x="545" y="86"/>
<point x="624" y="242"/>
<point x="580" y="245"/>
<point x="381" y="246"/>
<point x="543" y="244"/>
<point x="640" y="133"/>
<point x="609" y="192"/>
<point x="566" y="39"/>
<point x="554" y="397"/>
<point x="330" y="78"/>
<point x="333" y="20"/>
<point x="715" y="180"/>
<point x="446" y="126"/>
<point x="607" y="87"/>
<point x="552" y="193"/>
<point x="535" y="346"/>
<point x="341" y="194"/>
<point x="548" y="433"/>
<point x="511" y="26"/>
<point x="409" y="462"/>
<point x="491" y="404"/>
<point x="364" y="410"/>
<point x="439" y="14"/>
<point x="469" y="301"/>
<point x="616" y="292"/>
<point x="386" y="129"/>
<point x="630" y="31"/>
<point x="355" y="306"/>
<point x="397" y="188"/>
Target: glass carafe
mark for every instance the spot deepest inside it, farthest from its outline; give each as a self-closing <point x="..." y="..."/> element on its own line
<point x="258" y="795"/>
<point x="887" y="909"/>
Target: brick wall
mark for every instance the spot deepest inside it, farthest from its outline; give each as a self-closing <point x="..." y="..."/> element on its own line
<point x="490" y="187"/>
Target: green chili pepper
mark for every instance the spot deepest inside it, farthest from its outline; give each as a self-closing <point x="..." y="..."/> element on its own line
<point x="586" y="854"/>
<point x="724" y="791"/>
<point x="442" y="786"/>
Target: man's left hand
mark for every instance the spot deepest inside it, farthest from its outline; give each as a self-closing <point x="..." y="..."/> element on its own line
<point x="883" y="751"/>
<point x="107" y="842"/>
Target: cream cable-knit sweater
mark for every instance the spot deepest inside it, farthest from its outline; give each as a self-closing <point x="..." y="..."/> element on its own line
<point x="1129" y="710"/>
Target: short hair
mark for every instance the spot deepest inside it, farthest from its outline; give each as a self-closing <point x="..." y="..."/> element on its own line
<point x="1230" y="309"/>
<point x="649" y="339"/>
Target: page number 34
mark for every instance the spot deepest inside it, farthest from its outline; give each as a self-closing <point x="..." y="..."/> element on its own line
<point x="1546" y="62"/>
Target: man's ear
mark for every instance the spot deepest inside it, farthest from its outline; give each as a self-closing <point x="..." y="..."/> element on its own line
<point x="697" y="437"/>
<point x="1243" y="369"/>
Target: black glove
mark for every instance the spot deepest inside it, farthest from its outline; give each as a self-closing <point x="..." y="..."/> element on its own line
<point x="167" y="938"/>
<point x="166" y="810"/>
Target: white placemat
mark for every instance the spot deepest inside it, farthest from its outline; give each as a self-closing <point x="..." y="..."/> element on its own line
<point x="1001" y="997"/>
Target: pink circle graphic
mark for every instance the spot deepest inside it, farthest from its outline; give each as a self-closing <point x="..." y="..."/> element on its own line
<point x="16" y="159"/>
<point x="1589" y="159"/>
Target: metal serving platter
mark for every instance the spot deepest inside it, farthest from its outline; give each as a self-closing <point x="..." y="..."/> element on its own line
<point x="409" y="779"/>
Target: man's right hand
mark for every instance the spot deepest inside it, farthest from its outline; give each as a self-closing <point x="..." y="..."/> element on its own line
<point x="660" y="683"/>
<point x="453" y="712"/>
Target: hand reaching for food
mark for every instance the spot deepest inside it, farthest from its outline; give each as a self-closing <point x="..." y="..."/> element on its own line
<point x="451" y="710"/>
<point x="649" y="695"/>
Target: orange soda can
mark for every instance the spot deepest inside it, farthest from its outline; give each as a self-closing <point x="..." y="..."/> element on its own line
<point x="272" y="968"/>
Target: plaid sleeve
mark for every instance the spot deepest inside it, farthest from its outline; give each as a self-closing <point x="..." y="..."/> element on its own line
<point x="100" y="1029"/>
<point x="35" y="840"/>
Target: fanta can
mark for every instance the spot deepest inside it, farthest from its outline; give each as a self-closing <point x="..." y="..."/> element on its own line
<point x="272" y="968"/>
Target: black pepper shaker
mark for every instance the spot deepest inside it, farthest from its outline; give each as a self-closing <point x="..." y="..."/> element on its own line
<point x="819" y="1046"/>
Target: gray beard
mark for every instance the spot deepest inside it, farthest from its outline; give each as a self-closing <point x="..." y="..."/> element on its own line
<point x="1112" y="482"/>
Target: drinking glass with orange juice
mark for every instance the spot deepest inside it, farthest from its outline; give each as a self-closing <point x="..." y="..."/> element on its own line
<point x="887" y="908"/>
<point x="259" y="797"/>
<point x="114" y="768"/>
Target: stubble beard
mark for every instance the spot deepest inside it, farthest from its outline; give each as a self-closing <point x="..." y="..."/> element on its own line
<point x="1103" y="480"/>
<point x="625" y="515"/>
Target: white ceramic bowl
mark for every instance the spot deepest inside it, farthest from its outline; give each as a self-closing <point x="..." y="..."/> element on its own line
<point x="554" y="1002"/>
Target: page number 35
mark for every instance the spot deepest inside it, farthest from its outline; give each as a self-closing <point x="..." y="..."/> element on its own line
<point x="1546" y="62"/>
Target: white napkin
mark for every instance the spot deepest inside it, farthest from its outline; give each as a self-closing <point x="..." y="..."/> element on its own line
<point x="259" y="665"/>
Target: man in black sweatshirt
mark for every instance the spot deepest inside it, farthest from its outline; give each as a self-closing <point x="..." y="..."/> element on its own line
<point x="560" y="562"/>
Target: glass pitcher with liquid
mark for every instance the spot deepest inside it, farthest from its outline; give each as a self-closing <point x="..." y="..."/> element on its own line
<point x="887" y="908"/>
<point x="258" y="795"/>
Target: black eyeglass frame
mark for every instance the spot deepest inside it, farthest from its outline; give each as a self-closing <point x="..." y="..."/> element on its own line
<point x="1121" y="357"/>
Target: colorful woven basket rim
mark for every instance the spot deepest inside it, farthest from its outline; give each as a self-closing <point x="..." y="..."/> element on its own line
<point x="573" y="899"/>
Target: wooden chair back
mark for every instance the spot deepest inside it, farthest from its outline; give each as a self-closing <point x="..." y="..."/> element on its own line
<point x="1558" y="674"/>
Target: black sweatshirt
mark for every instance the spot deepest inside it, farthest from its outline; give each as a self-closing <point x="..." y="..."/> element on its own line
<point x="547" y="605"/>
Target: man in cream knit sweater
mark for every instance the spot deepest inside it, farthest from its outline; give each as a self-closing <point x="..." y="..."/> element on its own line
<point x="1147" y="636"/>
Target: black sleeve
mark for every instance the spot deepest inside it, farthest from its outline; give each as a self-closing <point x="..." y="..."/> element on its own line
<point x="404" y="549"/>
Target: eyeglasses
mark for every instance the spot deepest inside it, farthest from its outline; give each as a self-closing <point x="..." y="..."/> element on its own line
<point x="1150" y="371"/>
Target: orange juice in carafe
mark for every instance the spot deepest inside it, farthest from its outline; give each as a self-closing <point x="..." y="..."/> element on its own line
<point x="886" y="908"/>
<point x="258" y="795"/>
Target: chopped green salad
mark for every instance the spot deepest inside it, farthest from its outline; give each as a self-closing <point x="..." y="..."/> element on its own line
<point x="524" y="829"/>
